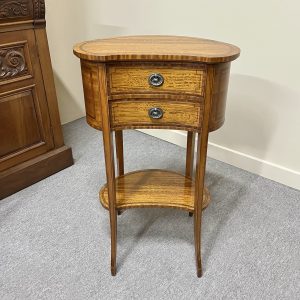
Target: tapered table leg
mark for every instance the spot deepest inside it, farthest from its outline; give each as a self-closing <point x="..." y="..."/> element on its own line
<point x="119" y="151"/>
<point x="200" y="169"/>
<point x="190" y="150"/>
<point x="110" y="176"/>
<point x="199" y="188"/>
<point x="109" y="165"/>
<point x="120" y="155"/>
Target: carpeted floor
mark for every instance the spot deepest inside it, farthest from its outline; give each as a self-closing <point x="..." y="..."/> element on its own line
<point x="55" y="235"/>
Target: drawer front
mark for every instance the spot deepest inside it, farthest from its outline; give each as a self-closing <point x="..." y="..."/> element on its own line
<point x="143" y="114"/>
<point x="174" y="79"/>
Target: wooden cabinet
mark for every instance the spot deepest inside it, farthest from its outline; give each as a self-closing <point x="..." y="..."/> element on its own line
<point x="31" y="141"/>
<point x="155" y="82"/>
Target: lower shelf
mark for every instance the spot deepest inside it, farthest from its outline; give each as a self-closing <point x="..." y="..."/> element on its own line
<point x="154" y="188"/>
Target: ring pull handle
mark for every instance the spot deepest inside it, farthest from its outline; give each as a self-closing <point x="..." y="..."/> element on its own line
<point x="155" y="113"/>
<point x="156" y="80"/>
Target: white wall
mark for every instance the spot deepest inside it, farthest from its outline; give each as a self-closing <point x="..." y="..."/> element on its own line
<point x="261" y="133"/>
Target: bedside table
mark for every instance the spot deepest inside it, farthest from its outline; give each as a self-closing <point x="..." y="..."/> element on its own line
<point x="164" y="82"/>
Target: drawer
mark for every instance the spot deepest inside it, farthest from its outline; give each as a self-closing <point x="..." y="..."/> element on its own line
<point x="154" y="78"/>
<point x="141" y="113"/>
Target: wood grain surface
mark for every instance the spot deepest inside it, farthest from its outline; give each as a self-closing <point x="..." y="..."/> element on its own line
<point x="154" y="188"/>
<point x="25" y="124"/>
<point x="177" y="78"/>
<point x="109" y="166"/>
<point x="31" y="139"/>
<point x="91" y="87"/>
<point x="119" y="151"/>
<point x="202" y="142"/>
<point x="192" y="97"/>
<point x="219" y="95"/>
<point x="131" y="113"/>
<point x="190" y="151"/>
<point x="156" y="48"/>
<point x="33" y="170"/>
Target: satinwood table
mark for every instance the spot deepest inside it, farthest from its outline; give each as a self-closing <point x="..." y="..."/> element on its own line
<point x="166" y="82"/>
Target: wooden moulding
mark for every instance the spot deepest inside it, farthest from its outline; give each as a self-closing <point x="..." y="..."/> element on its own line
<point x="16" y="178"/>
<point x="153" y="188"/>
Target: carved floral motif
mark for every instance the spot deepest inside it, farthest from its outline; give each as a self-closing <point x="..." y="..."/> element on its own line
<point x="12" y="62"/>
<point x="39" y="9"/>
<point x="13" y="8"/>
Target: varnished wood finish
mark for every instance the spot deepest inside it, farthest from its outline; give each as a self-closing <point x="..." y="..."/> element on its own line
<point x="119" y="152"/>
<point x="176" y="114"/>
<point x="156" y="48"/>
<point x="178" y="78"/>
<point x="16" y="178"/>
<point x="48" y="80"/>
<point x="219" y="95"/>
<point x="16" y="11"/>
<point x="190" y="150"/>
<point x="23" y="102"/>
<point x="91" y="88"/>
<point x="120" y="156"/>
<point x="118" y="96"/>
<point x="189" y="161"/>
<point x="29" y="119"/>
<point x="153" y="188"/>
<point x="109" y="166"/>
<point x="200" y="167"/>
<point x="23" y="134"/>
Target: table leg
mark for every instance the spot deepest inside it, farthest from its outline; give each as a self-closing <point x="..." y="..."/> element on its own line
<point x="119" y="151"/>
<point x="200" y="169"/>
<point x="199" y="188"/>
<point x="110" y="177"/>
<point x="120" y="155"/>
<point x="190" y="150"/>
<point x="109" y="165"/>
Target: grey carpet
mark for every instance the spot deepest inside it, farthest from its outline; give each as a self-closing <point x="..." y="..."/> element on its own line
<point x="55" y="235"/>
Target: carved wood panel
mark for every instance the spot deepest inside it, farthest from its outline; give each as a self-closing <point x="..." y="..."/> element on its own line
<point x="31" y="140"/>
<point x="25" y="129"/>
<point x="39" y="9"/>
<point x="14" y="61"/>
<point x="11" y="10"/>
<point x="19" y="10"/>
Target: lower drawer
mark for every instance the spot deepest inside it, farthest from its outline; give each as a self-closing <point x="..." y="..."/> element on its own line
<point x="156" y="114"/>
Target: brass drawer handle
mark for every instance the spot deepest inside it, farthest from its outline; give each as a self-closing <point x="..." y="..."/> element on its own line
<point x="155" y="113"/>
<point x="156" y="80"/>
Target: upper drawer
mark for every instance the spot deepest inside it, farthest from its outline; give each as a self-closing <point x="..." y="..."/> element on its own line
<point x="156" y="78"/>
